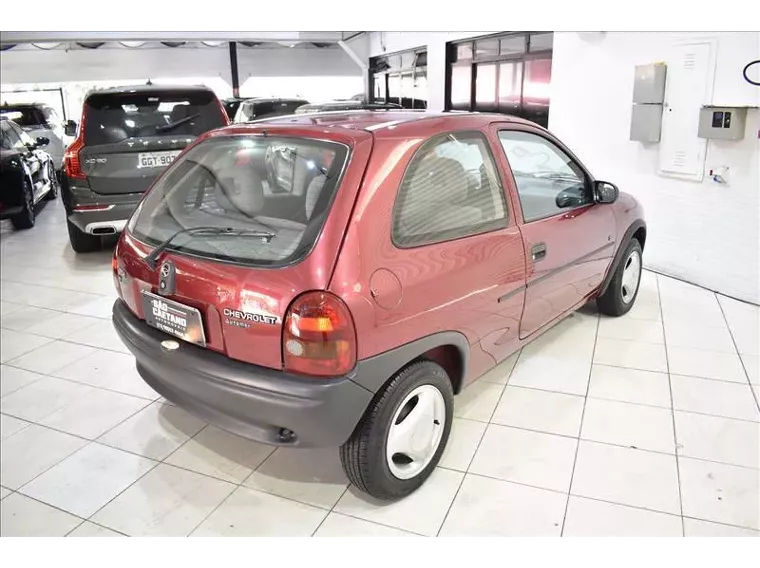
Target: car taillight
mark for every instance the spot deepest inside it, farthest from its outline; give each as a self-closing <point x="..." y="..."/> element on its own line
<point x="71" y="164"/>
<point x="318" y="337"/>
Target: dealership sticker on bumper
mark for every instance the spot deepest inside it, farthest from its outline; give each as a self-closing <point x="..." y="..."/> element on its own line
<point x="174" y="318"/>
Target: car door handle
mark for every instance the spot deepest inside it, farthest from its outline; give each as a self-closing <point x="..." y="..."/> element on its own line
<point x="538" y="252"/>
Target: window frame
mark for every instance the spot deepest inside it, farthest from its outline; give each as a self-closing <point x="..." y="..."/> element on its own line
<point x="506" y="127"/>
<point x="450" y="235"/>
<point x="384" y="74"/>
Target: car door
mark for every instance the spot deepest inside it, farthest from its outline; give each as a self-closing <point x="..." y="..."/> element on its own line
<point x="568" y="238"/>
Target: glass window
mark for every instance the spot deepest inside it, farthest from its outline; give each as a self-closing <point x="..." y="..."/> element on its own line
<point x="485" y="87"/>
<point x="420" y="88"/>
<point x="23" y="115"/>
<point x="380" y="88"/>
<point x="24" y="139"/>
<point x="538" y="76"/>
<point x="9" y="138"/>
<point x="461" y="80"/>
<point x="394" y="88"/>
<point x="548" y="180"/>
<point x="464" y="52"/>
<point x="394" y="61"/>
<point x="222" y="183"/>
<point x="541" y="42"/>
<point x="486" y="48"/>
<point x="510" y="85"/>
<point x="407" y="60"/>
<point x="514" y="45"/>
<point x="450" y="190"/>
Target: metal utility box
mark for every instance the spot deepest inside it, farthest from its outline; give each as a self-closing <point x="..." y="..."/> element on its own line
<point x="722" y="123"/>
<point x="649" y="84"/>
<point x="648" y="99"/>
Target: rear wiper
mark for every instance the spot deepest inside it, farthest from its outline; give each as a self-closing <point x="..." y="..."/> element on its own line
<point x="173" y="125"/>
<point x="265" y="236"/>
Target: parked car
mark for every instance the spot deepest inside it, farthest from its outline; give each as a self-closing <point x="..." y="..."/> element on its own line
<point x="254" y="109"/>
<point x="126" y="138"/>
<point x="231" y="106"/>
<point x="351" y="104"/>
<point x="409" y="254"/>
<point x="40" y="120"/>
<point x="27" y="174"/>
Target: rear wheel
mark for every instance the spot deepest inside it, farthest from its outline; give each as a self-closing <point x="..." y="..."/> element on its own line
<point x="25" y="219"/>
<point x="54" y="183"/>
<point x="403" y="433"/>
<point x="81" y="241"/>
<point x="621" y="293"/>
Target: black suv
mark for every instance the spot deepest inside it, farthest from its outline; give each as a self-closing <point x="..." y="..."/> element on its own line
<point x="126" y="138"/>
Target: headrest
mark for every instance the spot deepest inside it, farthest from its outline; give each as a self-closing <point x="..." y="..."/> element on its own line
<point x="444" y="181"/>
<point x="241" y="192"/>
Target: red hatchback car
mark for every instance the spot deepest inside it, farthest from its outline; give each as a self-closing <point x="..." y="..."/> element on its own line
<point x="335" y="279"/>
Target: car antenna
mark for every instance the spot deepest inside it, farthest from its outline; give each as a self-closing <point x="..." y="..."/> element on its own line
<point x="149" y="82"/>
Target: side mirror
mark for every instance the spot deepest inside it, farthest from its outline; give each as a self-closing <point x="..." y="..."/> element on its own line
<point x="70" y="128"/>
<point x="42" y="141"/>
<point x="605" y="192"/>
<point x="569" y="198"/>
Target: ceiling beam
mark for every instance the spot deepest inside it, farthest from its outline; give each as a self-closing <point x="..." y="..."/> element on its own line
<point x="51" y="37"/>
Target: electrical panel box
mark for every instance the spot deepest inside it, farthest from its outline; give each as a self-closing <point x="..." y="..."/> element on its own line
<point x="649" y="84"/>
<point x="648" y="99"/>
<point x="722" y="123"/>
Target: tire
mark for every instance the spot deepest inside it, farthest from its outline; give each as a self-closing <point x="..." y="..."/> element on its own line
<point x="620" y="295"/>
<point x="423" y="386"/>
<point x="81" y="241"/>
<point x="54" y="183"/>
<point x="25" y="219"/>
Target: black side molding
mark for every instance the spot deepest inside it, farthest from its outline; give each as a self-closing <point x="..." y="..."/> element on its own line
<point x="635" y="226"/>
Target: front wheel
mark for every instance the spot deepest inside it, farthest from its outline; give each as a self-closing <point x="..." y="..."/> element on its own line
<point x="54" y="183"/>
<point x="25" y="219"/>
<point x="622" y="290"/>
<point x="403" y="433"/>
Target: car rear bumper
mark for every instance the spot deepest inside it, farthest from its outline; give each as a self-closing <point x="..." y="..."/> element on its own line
<point x="117" y="209"/>
<point x="252" y="401"/>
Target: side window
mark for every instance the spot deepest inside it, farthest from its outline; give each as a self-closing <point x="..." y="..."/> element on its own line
<point x="13" y="138"/>
<point x="24" y="138"/>
<point x="548" y="180"/>
<point x="450" y="190"/>
<point x="7" y="139"/>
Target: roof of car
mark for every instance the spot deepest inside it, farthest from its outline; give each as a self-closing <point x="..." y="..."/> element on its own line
<point x="149" y="89"/>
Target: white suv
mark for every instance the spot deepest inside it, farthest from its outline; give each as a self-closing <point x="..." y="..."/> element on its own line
<point x="39" y="119"/>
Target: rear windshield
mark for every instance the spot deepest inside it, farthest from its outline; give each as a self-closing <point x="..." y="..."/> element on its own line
<point x="113" y="117"/>
<point x="276" y="186"/>
<point x="23" y="115"/>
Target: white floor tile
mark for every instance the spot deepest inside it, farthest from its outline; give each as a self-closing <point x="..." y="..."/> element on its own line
<point x="463" y="441"/>
<point x="532" y="458"/>
<point x="587" y="517"/>
<point x="501" y="372"/>
<point x="696" y="527"/>
<point x="167" y="501"/>
<point x="248" y="512"/>
<point x="10" y="425"/>
<point x="646" y="307"/>
<point x="61" y="325"/>
<point x="309" y="475"/>
<point x="108" y="370"/>
<point x="477" y="401"/>
<point x="88" y="479"/>
<point x="220" y="454"/>
<point x="631" y="329"/>
<point x="14" y="344"/>
<point x="22" y="320"/>
<point x="707" y="364"/>
<point x="94" y="306"/>
<point x="154" y="432"/>
<point x="752" y="368"/>
<point x="718" y="439"/>
<point x="629" y="425"/>
<point x="719" y="398"/>
<point x="684" y="334"/>
<point x="718" y="492"/>
<point x="630" y="354"/>
<point x="43" y="397"/>
<point x="51" y="357"/>
<point x="422" y="512"/>
<point x="101" y="334"/>
<point x="555" y="413"/>
<point x="4" y="492"/>
<point x="89" y="530"/>
<point x="627" y="476"/>
<point x="13" y="378"/>
<point x="337" y="525"/>
<point x="552" y="373"/>
<point x="29" y="452"/>
<point x="490" y="507"/>
<point x="629" y="385"/>
<point x="22" y="516"/>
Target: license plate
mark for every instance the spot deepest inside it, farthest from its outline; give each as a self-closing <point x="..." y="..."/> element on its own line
<point x="156" y="159"/>
<point x="174" y="318"/>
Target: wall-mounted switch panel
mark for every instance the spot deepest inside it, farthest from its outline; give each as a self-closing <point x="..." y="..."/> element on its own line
<point x="722" y="123"/>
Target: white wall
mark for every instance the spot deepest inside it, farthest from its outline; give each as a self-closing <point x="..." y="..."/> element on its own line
<point x="704" y="233"/>
<point x="382" y="43"/>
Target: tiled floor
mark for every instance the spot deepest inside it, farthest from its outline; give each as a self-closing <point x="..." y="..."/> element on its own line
<point x="641" y="425"/>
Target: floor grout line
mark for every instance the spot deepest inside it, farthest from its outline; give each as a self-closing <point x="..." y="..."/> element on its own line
<point x="741" y="360"/>
<point x="673" y="418"/>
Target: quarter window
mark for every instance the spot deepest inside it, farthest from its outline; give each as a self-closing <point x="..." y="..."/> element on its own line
<point x="450" y="190"/>
<point x="548" y="180"/>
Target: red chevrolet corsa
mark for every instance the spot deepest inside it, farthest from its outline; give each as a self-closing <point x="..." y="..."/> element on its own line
<point x="335" y="279"/>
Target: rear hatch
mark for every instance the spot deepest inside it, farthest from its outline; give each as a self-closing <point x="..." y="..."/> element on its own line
<point x="280" y="202"/>
<point x="131" y="137"/>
